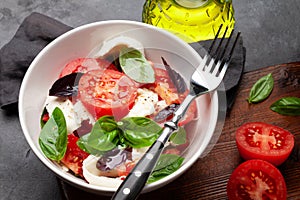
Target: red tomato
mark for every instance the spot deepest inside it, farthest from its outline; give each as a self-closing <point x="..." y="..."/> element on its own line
<point x="174" y="151"/>
<point x="45" y="117"/>
<point x="74" y="156"/>
<point x="85" y="64"/>
<point x="125" y="169"/>
<point x="258" y="140"/>
<point x="164" y="87"/>
<point x="166" y="90"/>
<point x="189" y="115"/>
<point x="107" y="92"/>
<point x="256" y="179"/>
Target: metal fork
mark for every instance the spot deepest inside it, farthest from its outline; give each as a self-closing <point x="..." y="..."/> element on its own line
<point x="206" y="78"/>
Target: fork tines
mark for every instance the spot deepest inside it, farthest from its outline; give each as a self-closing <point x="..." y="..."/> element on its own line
<point x="219" y="54"/>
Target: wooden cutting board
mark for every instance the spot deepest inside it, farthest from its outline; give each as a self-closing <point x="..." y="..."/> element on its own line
<point x="208" y="177"/>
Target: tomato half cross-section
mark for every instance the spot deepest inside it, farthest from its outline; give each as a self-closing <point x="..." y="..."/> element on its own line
<point x="107" y="92"/>
<point x="256" y="180"/>
<point x="258" y="140"/>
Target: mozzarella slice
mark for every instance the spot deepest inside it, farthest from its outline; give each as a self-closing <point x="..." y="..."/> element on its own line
<point x="113" y="46"/>
<point x="144" y="103"/>
<point x="92" y="174"/>
<point x="73" y="114"/>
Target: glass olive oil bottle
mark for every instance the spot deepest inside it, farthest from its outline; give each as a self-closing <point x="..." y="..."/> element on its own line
<point x="191" y="20"/>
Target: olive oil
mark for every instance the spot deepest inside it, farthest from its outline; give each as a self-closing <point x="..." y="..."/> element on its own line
<point x="191" y="20"/>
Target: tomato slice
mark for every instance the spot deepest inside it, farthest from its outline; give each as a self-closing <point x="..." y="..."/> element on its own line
<point x="86" y="64"/>
<point x="74" y="156"/>
<point x="256" y="180"/>
<point x="190" y="114"/>
<point x="166" y="90"/>
<point x="125" y="169"/>
<point x="164" y="87"/>
<point x="45" y="117"/>
<point x="258" y="140"/>
<point x="107" y="92"/>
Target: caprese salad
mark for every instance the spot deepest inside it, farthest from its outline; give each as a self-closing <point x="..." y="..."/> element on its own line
<point x="103" y="112"/>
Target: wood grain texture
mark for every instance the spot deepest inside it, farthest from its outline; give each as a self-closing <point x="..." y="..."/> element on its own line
<point x="207" y="178"/>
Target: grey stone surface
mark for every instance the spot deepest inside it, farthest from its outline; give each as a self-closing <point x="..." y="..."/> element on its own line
<point x="270" y="28"/>
<point x="270" y="31"/>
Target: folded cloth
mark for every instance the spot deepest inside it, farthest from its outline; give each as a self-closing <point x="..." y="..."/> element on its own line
<point x="235" y="70"/>
<point x="37" y="30"/>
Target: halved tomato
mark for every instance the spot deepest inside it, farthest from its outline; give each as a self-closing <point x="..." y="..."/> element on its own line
<point x="256" y="180"/>
<point x="107" y="92"/>
<point x="86" y="64"/>
<point x="258" y="140"/>
<point x="74" y="156"/>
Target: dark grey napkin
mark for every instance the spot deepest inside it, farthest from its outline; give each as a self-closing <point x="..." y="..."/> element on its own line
<point x="235" y="70"/>
<point x="37" y="30"/>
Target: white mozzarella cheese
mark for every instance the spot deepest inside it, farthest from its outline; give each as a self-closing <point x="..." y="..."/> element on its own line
<point x="92" y="174"/>
<point x="144" y="103"/>
<point x="73" y="114"/>
<point x="112" y="46"/>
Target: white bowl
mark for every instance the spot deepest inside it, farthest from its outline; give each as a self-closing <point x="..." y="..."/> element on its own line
<point x="79" y="42"/>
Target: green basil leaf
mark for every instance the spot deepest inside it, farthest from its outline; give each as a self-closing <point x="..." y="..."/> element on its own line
<point x="104" y="135"/>
<point x="135" y="65"/>
<point x="139" y="131"/>
<point x="53" y="137"/>
<point x="166" y="165"/>
<point x="287" y="106"/>
<point x="82" y="143"/>
<point x="261" y="89"/>
<point x="179" y="137"/>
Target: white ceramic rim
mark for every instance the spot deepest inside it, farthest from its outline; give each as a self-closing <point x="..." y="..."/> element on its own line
<point x="93" y="188"/>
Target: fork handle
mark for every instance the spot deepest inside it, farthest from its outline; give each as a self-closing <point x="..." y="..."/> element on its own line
<point x="137" y="178"/>
<point x="179" y="113"/>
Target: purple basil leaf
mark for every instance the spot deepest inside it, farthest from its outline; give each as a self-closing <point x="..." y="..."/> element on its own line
<point x="66" y="86"/>
<point x="84" y="129"/>
<point x="113" y="158"/>
<point x="177" y="80"/>
<point x="166" y="112"/>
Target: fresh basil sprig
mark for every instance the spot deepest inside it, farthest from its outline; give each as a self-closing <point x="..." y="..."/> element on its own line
<point x="107" y="134"/>
<point x="136" y="66"/>
<point x="53" y="137"/>
<point x="261" y="89"/>
<point x="166" y="165"/>
<point x="104" y="135"/>
<point x="139" y="131"/>
<point x="287" y="106"/>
